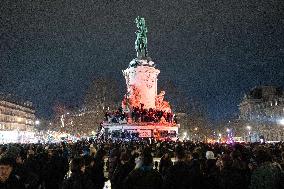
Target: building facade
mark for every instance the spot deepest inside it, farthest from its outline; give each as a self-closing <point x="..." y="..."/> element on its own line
<point x="262" y="111"/>
<point x="16" y="115"/>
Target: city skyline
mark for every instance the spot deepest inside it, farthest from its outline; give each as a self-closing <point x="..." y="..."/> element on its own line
<point x="213" y="52"/>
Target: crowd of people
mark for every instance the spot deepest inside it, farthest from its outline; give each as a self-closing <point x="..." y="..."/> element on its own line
<point x="151" y="115"/>
<point x="142" y="164"/>
<point x="140" y="114"/>
<point x="117" y="116"/>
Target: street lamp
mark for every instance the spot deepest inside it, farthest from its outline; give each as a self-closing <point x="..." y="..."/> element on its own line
<point x="281" y="121"/>
<point x="229" y="135"/>
<point x="249" y="128"/>
<point x="184" y="135"/>
<point x="219" y="137"/>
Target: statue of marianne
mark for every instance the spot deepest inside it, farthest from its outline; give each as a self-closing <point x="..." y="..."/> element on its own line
<point x="141" y="38"/>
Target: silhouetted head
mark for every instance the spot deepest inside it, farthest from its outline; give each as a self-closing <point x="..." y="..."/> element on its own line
<point x="77" y="165"/>
<point x="147" y="158"/>
<point x="263" y="155"/>
<point x="180" y="152"/>
<point x="6" y="167"/>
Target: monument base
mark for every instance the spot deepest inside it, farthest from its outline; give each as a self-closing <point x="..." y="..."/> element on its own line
<point x="158" y="131"/>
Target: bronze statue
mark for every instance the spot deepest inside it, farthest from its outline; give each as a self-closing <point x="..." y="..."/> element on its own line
<point x="141" y="40"/>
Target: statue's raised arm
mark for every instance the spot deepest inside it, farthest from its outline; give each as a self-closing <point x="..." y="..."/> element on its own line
<point x="141" y="38"/>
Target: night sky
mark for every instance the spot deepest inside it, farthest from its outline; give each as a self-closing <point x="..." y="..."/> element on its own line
<point x="214" y="51"/>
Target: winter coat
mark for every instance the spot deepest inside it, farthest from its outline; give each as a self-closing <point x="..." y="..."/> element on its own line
<point x="232" y="178"/>
<point x="120" y="173"/>
<point x="28" y="178"/>
<point x="211" y="174"/>
<point x="267" y="176"/>
<point x="54" y="172"/>
<point x="96" y="174"/>
<point x="144" y="177"/>
<point x="165" y="163"/>
<point x="196" y="176"/>
<point x="12" y="182"/>
<point x="78" y="181"/>
<point x="178" y="176"/>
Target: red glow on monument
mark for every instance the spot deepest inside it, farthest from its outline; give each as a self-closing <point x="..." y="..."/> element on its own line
<point x="161" y="104"/>
<point x="141" y="81"/>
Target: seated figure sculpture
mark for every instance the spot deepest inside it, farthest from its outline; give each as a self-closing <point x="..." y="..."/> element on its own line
<point x="161" y="104"/>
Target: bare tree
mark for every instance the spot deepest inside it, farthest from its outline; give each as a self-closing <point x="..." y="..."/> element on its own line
<point x="103" y="95"/>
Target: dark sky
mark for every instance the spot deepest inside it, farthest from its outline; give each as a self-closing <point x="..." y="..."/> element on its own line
<point x="214" y="51"/>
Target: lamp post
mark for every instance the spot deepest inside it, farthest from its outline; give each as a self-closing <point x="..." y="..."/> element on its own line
<point x="281" y="121"/>
<point x="249" y="129"/>
<point x="184" y="135"/>
<point x="229" y="135"/>
<point x="37" y="122"/>
<point x="220" y="137"/>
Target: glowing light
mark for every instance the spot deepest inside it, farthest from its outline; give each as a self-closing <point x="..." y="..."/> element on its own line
<point x="281" y="121"/>
<point x="219" y="134"/>
<point x="248" y="127"/>
<point x="17" y="137"/>
<point x="228" y="130"/>
<point x="62" y="120"/>
<point x="37" y="122"/>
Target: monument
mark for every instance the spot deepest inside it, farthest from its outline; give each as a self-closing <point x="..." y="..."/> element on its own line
<point x="144" y="111"/>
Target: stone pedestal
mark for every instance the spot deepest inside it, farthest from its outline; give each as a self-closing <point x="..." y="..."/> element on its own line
<point x="141" y="80"/>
